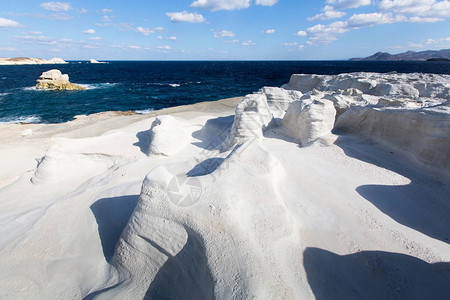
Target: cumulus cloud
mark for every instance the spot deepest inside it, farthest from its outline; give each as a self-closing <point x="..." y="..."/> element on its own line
<point x="269" y="31"/>
<point x="144" y="31"/>
<point x="327" y="15"/>
<point x="185" y="16"/>
<point x="56" y="6"/>
<point x="89" y="31"/>
<point x="441" y="40"/>
<point x="223" y="33"/>
<point x="266" y="2"/>
<point x="343" y="4"/>
<point x="7" y="23"/>
<point x="215" y="5"/>
<point x="301" y="33"/>
<point x="363" y="20"/>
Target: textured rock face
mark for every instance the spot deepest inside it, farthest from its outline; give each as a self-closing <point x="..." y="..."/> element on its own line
<point x="279" y="99"/>
<point x="252" y="115"/>
<point x="425" y="134"/>
<point x="55" y="80"/>
<point x="307" y="123"/>
<point x="411" y="86"/>
<point x="167" y="136"/>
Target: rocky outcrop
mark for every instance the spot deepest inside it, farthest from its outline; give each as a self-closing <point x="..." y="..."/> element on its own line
<point x="94" y="61"/>
<point x="252" y="116"/>
<point x="167" y="136"/>
<point x="307" y="123"/>
<point x="31" y="61"/>
<point x="55" y="80"/>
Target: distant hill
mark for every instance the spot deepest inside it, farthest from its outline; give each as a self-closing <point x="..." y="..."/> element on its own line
<point x="409" y="55"/>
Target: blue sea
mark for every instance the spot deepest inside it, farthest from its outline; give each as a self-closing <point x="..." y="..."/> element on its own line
<point x="143" y="86"/>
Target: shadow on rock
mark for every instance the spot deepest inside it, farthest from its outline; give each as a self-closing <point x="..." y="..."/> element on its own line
<point x="143" y="141"/>
<point x="213" y="133"/>
<point x="206" y="167"/>
<point x="112" y="215"/>
<point x="421" y="205"/>
<point x="184" y="276"/>
<point x="374" y="275"/>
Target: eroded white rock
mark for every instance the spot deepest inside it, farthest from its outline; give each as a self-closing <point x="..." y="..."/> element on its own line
<point x="307" y="123"/>
<point x="252" y="116"/>
<point x="167" y="136"/>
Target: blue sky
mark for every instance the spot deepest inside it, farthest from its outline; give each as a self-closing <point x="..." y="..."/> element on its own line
<point x="220" y="30"/>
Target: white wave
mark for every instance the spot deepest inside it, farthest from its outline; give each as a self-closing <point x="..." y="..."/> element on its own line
<point x="3" y="94"/>
<point x="167" y="84"/>
<point x="144" y="111"/>
<point x="94" y="86"/>
<point x="21" y="119"/>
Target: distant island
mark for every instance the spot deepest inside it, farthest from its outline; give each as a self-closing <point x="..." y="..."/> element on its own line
<point x="428" y="55"/>
<point x="30" y="61"/>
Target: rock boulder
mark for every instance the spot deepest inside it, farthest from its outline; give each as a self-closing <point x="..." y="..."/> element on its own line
<point x="55" y="80"/>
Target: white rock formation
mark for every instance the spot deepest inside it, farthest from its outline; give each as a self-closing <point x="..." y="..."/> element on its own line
<point x="307" y="123"/>
<point x="252" y="116"/>
<point x="94" y="61"/>
<point x="167" y="136"/>
<point x="422" y="132"/>
<point x="279" y="99"/>
<point x="410" y="86"/>
<point x="31" y="61"/>
<point x="55" y="80"/>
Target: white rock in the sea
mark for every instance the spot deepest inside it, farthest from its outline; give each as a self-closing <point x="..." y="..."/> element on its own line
<point x="307" y="123"/>
<point x="55" y="80"/>
<point x="252" y="116"/>
<point x="94" y="61"/>
<point x="167" y="136"/>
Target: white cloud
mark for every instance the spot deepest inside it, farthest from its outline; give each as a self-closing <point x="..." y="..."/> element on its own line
<point x="172" y="38"/>
<point x="215" y="5"/>
<point x="132" y="47"/>
<point x="107" y="18"/>
<point x="414" y="45"/>
<point x="144" y="31"/>
<point x="289" y="44"/>
<point x="363" y="20"/>
<point x="106" y="11"/>
<point x="230" y="41"/>
<point x="57" y="6"/>
<point x="441" y="40"/>
<point x="223" y="33"/>
<point x="248" y="43"/>
<point x="301" y="33"/>
<point x="95" y="38"/>
<point x="7" y="23"/>
<point x="348" y="3"/>
<point x="89" y="31"/>
<point x="269" y="31"/>
<point x="424" y="20"/>
<point x="11" y="49"/>
<point x="163" y="47"/>
<point x="82" y="11"/>
<point x="430" y="8"/>
<point x="266" y="2"/>
<point x="327" y="15"/>
<point x="184" y="16"/>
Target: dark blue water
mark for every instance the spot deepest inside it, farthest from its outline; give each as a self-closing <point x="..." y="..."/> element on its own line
<point x="147" y="85"/>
